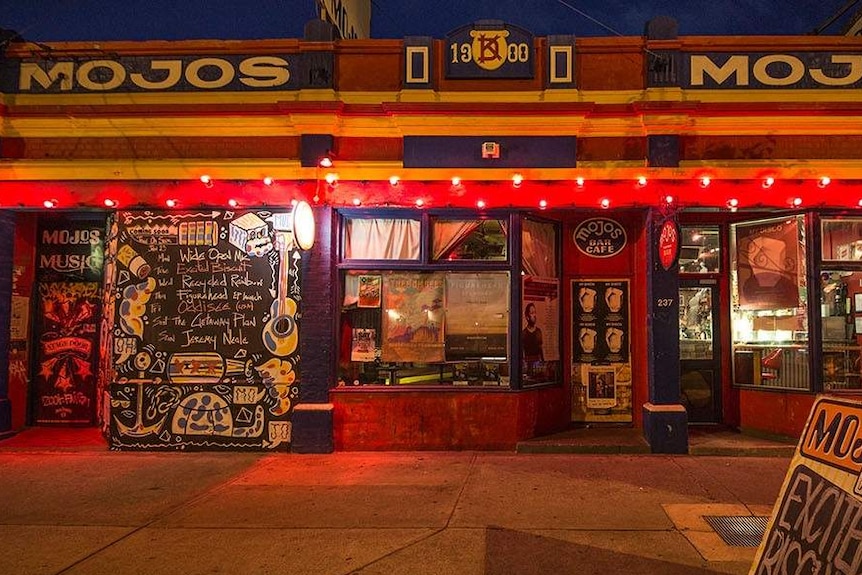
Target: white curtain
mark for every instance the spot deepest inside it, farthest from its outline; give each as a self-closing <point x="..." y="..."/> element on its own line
<point x="379" y="239"/>
<point x="539" y="254"/>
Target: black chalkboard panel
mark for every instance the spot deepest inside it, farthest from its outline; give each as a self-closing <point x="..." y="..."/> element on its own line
<point x="814" y="530"/>
<point x="206" y="329"/>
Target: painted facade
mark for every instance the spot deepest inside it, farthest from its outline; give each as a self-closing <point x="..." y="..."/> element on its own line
<point x="206" y="327"/>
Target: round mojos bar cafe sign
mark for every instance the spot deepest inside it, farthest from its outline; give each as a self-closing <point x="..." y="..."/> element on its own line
<point x="600" y="237"/>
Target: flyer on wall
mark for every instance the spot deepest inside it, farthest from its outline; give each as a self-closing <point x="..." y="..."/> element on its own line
<point x="600" y="321"/>
<point x="601" y="388"/>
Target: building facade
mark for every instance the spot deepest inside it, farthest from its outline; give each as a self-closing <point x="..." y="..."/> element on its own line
<point x="454" y="243"/>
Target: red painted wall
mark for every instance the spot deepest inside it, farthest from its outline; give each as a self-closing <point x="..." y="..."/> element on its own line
<point x="774" y="413"/>
<point x="444" y="420"/>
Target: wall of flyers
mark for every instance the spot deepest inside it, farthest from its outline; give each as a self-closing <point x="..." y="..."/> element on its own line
<point x="601" y="368"/>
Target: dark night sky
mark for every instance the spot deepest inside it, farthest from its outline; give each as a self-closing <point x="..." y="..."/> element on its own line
<point x="59" y="20"/>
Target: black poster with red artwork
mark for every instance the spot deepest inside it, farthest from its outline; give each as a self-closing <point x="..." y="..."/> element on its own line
<point x="67" y="306"/>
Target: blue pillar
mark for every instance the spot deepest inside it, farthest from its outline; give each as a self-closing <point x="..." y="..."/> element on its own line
<point x="665" y="418"/>
<point x="312" y="430"/>
<point x="7" y="245"/>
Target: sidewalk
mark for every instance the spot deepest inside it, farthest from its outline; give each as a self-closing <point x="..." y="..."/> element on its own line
<point x="89" y="511"/>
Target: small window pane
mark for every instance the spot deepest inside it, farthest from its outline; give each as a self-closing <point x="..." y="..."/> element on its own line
<point x="469" y="240"/>
<point x="699" y="253"/>
<point x="842" y="240"/>
<point x="381" y="239"/>
<point x="539" y="251"/>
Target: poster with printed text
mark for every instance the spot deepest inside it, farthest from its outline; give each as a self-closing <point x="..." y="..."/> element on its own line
<point x="477" y="317"/>
<point x="413" y="317"/>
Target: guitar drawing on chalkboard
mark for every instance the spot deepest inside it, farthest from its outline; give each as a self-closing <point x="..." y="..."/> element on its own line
<point x="280" y="335"/>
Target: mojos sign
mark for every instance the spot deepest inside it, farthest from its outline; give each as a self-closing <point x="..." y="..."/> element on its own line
<point x="141" y="74"/>
<point x="767" y="70"/>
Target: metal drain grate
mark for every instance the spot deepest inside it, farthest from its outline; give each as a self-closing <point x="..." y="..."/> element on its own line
<point x="739" y="530"/>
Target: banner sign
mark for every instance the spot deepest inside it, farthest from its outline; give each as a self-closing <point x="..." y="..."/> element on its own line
<point x="761" y="70"/>
<point x="814" y="527"/>
<point x="489" y="49"/>
<point x="118" y="74"/>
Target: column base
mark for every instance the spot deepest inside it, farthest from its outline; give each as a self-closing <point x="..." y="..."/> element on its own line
<point x="666" y="428"/>
<point x="312" y="428"/>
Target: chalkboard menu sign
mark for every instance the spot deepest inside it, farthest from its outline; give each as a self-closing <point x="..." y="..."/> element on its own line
<point x="814" y="527"/>
<point x="69" y="266"/>
<point x="206" y="329"/>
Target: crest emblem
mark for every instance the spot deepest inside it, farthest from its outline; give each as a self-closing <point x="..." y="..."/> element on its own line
<point x="489" y="48"/>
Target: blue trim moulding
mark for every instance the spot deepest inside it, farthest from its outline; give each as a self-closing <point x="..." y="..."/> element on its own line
<point x="466" y="152"/>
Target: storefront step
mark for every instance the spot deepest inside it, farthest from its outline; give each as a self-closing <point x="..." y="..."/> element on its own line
<point x="702" y="442"/>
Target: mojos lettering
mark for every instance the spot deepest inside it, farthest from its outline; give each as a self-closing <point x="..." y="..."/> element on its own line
<point x="777" y="70"/>
<point x="106" y="74"/>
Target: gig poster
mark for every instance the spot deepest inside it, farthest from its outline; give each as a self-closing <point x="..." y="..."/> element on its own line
<point x="67" y="352"/>
<point x="363" y="345"/>
<point x="477" y="319"/>
<point x="600" y="321"/>
<point x="768" y="263"/>
<point x="413" y="317"/>
<point x="369" y="291"/>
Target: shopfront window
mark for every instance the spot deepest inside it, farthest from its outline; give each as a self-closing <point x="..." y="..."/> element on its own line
<point x="425" y="328"/>
<point x="540" y="303"/>
<point x="699" y="253"/>
<point x="768" y="305"/>
<point x="469" y="239"/>
<point x="841" y="303"/>
<point x="432" y="308"/>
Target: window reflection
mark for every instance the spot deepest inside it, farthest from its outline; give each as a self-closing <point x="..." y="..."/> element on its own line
<point x="700" y="250"/>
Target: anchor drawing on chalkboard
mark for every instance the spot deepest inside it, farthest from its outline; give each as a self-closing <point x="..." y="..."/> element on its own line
<point x="139" y="429"/>
<point x="280" y="335"/>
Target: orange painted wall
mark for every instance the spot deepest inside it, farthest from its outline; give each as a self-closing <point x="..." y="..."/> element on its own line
<point x="444" y="420"/>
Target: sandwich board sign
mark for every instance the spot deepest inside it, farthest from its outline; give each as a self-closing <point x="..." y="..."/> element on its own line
<point x="816" y="525"/>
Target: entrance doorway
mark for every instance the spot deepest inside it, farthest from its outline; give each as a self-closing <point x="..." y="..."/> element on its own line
<point x="699" y="353"/>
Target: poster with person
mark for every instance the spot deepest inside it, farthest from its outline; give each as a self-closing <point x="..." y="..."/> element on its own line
<point x="540" y="312"/>
<point x="601" y="388"/>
